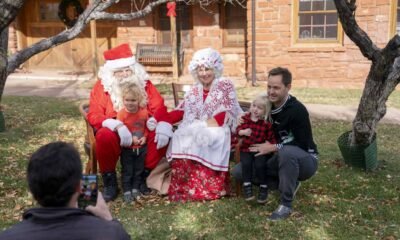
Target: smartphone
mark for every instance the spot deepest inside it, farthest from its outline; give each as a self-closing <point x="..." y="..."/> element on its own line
<point x="88" y="194"/>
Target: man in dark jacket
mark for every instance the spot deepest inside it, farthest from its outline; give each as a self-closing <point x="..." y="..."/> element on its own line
<point x="54" y="178"/>
<point x="296" y="155"/>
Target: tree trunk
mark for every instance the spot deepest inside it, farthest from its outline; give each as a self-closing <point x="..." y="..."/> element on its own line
<point x="3" y="70"/>
<point x="383" y="77"/>
<point x="371" y="110"/>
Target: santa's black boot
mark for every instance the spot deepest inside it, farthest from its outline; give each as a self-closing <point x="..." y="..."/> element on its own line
<point x="110" y="186"/>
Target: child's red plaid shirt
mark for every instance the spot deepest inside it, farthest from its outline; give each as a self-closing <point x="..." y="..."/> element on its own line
<point x="261" y="131"/>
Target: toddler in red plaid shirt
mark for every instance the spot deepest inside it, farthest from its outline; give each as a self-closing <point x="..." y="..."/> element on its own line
<point x="255" y="129"/>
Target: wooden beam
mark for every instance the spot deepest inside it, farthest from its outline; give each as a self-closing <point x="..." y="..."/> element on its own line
<point x="93" y="36"/>
<point x="174" y="43"/>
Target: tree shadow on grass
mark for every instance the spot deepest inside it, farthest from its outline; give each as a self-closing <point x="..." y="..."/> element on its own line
<point x="26" y="116"/>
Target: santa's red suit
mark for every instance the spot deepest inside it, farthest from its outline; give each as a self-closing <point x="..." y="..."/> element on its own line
<point x="108" y="146"/>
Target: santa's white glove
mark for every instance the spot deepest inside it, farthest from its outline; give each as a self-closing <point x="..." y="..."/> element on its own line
<point x="163" y="133"/>
<point x="125" y="136"/>
<point x="151" y="124"/>
<point x="111" y="123"/>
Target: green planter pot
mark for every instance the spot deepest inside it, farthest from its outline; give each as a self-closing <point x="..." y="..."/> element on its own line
<point x="365" y="156"/>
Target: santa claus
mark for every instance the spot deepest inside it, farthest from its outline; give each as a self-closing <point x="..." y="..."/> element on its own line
<point x="111" y="134"/>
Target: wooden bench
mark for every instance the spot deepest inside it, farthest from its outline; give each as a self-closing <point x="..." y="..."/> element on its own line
<point x="179" y="90"/>
<point x="157" y="55"/>
<point x="245" y="107"/>
<point x="90" y="141"/>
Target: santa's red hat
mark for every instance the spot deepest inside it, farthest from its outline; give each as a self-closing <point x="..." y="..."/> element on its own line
<point x="119" y="57"/>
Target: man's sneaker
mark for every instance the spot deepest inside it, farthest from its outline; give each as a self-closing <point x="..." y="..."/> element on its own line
<point x="128" y="197"/>
<point x="262" y="195"/>
<point x="248" y="192"/>
<point x="282" y="212"/>
<point x="136" y="194"/>
<point x="298" y="184"/>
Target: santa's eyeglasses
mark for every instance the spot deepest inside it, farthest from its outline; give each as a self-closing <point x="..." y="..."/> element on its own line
<point x="123" y="71"/>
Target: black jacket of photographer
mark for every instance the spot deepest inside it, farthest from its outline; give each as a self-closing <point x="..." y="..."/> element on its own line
<point x="64" y="223"/>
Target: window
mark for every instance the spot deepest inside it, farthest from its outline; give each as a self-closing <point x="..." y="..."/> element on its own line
<point x="48" y="11"/>
<point x="184" y="25"/>
<point x="316" y="21"/>
<point x="235" y="23"/>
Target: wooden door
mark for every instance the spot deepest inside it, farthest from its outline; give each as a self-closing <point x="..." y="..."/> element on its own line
<point x="41" y="21"/>
<point x="81" y="48"/>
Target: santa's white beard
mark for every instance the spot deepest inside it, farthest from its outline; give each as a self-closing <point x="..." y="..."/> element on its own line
<point x="116" y="90"/>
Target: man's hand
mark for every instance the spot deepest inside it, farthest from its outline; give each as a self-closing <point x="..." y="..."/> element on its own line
<point x="245" y="132"/>
<point x="163" y="133"/>
<point x="151" y="124"/>
<point x="111" y="123"/>
<point x="101" y="209"/>
<point x="125" y="136"/>
<point x="263" y="148"/>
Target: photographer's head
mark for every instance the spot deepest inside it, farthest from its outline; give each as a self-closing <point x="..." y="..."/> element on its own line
<point x="54" y="174"/>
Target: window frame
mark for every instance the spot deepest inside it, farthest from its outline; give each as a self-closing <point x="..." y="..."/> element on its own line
<point x="223" y="13"/>
<point x="295" y="29"/>
<point x="38" y="10"/>
<point x="393" y="18"/>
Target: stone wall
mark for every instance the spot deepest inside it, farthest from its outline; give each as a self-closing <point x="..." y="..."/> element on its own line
<point x="338" y="65"/>
<point x="315" y="65"/>
<point x="207" y="32"/>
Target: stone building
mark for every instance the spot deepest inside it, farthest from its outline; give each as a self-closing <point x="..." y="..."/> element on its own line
<point x="303" y="35"/>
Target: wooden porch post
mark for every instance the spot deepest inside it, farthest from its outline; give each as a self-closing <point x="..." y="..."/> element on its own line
<point x="93" y="36"/>
<point x="174" y="43"/>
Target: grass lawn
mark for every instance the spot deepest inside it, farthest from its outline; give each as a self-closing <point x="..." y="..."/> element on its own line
<point x="337" y="203"/>
<point x="307" y="95"/>
<point x="322" y="96"/>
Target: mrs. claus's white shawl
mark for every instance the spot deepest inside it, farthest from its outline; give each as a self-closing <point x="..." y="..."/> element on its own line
<point x="193" y="139"/>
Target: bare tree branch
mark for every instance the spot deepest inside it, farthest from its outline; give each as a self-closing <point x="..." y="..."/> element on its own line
<point x="384" y="64"/>
<point x="9" y="10"/>
<point x="103" y="5"/>
<point x="127" y="16"/>
<point x="392" y="49"/>
<point x="346" y="10"/>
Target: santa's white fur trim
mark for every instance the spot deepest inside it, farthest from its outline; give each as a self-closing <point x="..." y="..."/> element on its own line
<point x="119" y="63"/>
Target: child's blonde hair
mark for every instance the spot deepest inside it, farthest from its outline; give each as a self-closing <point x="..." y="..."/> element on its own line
<point x="137" y="92"/>
<point x="263" y="100"/>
